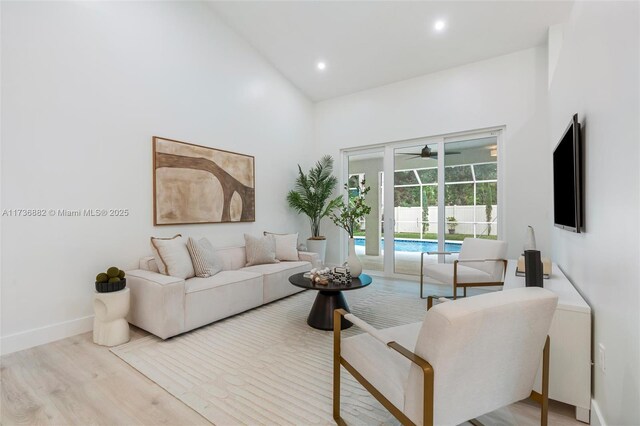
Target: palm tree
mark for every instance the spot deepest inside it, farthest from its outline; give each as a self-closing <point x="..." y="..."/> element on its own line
<point x="312" y="193"/>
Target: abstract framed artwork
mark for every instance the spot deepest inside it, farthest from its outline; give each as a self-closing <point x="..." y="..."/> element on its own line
<point x="197" y="184"/>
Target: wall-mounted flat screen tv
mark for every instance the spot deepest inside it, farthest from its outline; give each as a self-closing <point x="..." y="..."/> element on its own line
<point x="567" y="179"/>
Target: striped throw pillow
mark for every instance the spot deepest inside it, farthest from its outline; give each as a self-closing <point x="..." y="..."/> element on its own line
<point x="205" y="263"/>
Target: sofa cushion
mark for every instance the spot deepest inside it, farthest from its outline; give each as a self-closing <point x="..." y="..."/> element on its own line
<point x="148" y="263"/>
<point x="286" y="245"/>
<point x="276" y="278"/>
<point x="260" y="250"/>
<point x="387" y="370"/>
<point x="274" y="268"/>
<point x="205" y="262"/>
<point x="172" y="256"/>
<point x="220" y="296"/>
<point x="231" y="258"/>
<point x="220" y="279"/>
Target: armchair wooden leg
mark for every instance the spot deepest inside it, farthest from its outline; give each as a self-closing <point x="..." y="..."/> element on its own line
<point x="429" y="302"/>
<point x="544" y="411"/>
<point x="464" y="291"/>
<point x="543" y="397"/>
<point x="455" y="291"/>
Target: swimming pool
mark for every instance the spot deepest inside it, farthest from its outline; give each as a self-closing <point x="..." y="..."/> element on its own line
<point x="414" y="245"/>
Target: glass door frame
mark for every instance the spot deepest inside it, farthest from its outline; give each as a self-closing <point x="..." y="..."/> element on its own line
<point x="388" y="150"/>
<point x="344" y="164"/>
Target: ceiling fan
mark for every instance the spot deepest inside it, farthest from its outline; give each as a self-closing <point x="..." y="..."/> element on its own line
<point x="427" y="153"/>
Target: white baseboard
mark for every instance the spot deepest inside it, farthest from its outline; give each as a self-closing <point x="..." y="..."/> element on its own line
<point x="596" y="414"/>
<point x="40" y="336"/>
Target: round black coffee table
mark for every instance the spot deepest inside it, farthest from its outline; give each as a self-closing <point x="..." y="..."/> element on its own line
<point x="329" y="298"/>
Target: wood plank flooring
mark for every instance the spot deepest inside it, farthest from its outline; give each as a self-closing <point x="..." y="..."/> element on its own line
<point x="75" y="382"/>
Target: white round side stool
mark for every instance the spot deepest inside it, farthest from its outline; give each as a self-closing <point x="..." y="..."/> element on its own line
<point x="110" y="328"/>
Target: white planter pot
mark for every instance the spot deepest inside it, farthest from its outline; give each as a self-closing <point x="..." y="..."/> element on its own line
<point x="317" y="246"/>
<point x="355" y="266"/>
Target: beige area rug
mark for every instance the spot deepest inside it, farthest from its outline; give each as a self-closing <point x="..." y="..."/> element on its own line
<point x="267" y="366"/>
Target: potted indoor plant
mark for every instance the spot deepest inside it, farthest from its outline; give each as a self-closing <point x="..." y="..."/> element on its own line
<point x="452" y="223"/>
<point x="348" y="216"/>
<point x="312" y="196"/>
<point x="112" y="280"/>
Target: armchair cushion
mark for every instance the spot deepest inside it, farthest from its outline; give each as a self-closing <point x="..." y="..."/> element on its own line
<point x="477" y="248"/>
<point x="384" y="368"/>
<point x="443" y="272"/>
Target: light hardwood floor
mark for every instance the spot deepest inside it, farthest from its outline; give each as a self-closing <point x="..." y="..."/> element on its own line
<point x="75" y="382"/>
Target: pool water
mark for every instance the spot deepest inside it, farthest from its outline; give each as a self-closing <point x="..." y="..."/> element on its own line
<point x="415" y="245"/>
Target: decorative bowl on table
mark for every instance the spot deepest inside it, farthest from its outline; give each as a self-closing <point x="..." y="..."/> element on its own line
<point x="110" y="281"/>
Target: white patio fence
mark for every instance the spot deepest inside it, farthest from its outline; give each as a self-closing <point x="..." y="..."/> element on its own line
<point x="472" y="220"/>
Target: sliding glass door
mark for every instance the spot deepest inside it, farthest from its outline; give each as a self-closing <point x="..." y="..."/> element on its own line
<point x="428" y="195"/>
<point x="364" y="169"/>
<point x="471" y="188"/>
<point x="415" y="207"/>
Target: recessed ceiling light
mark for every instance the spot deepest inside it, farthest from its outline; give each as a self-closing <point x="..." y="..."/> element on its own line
<point x="321" y="66"/>
<point x="439" y="25"/>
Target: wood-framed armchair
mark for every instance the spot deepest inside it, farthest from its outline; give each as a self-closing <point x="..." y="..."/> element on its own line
<point x="470" y="357"/>
<point x="481" y="263"/>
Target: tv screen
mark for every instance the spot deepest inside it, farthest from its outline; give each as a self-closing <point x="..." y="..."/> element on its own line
<point x="567" y="191"/>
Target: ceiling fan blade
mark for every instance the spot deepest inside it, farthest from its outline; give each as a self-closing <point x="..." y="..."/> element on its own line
<point x="452" y="152"/>
<point x="409" y="153"/>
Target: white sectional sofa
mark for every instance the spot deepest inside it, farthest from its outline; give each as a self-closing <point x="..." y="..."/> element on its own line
<point x="167" y="306"/>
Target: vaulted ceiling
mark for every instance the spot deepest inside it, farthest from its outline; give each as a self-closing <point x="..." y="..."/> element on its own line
<point x="366" y="44"/>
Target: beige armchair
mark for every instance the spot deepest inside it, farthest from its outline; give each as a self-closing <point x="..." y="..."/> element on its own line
<point x="481" y="263"/>
<point x="467" y="358"/>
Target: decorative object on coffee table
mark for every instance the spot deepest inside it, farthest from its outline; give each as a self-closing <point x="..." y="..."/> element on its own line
<point x="197" y="184"/>
<point x="110" y="328"/>
<point x="312" y="196"/>
<point x="112" y="280"/>
<point x="329" y="298"/>
<point x="348" y="217"/>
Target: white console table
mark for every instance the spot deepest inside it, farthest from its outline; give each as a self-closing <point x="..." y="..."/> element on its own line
<point x="570" y="334"/>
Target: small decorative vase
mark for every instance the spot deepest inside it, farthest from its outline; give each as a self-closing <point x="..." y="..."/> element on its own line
<point x="530" y="239"/>
<point x="355" y="267"/>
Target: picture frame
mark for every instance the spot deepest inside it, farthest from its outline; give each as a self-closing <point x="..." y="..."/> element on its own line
<point x="196" y="184"/>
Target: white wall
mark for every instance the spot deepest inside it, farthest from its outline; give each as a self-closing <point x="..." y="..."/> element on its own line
<point x="597" y="75"/>
<point x="85" y="85"/>
<point x="508" y="90"/>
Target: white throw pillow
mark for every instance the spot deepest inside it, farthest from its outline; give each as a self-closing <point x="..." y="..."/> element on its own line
<point x="260" y="250"/>
<point x="286" y="246"/>
<point x="172" y="256"/>
<point x="203" y="256"/>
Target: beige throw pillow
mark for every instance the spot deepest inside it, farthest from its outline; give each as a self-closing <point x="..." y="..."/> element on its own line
<point x="260" y="250"/>
<point x="286" y="245"/>
<point x="203" y="256"/>
<point x="172" y="256"/>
